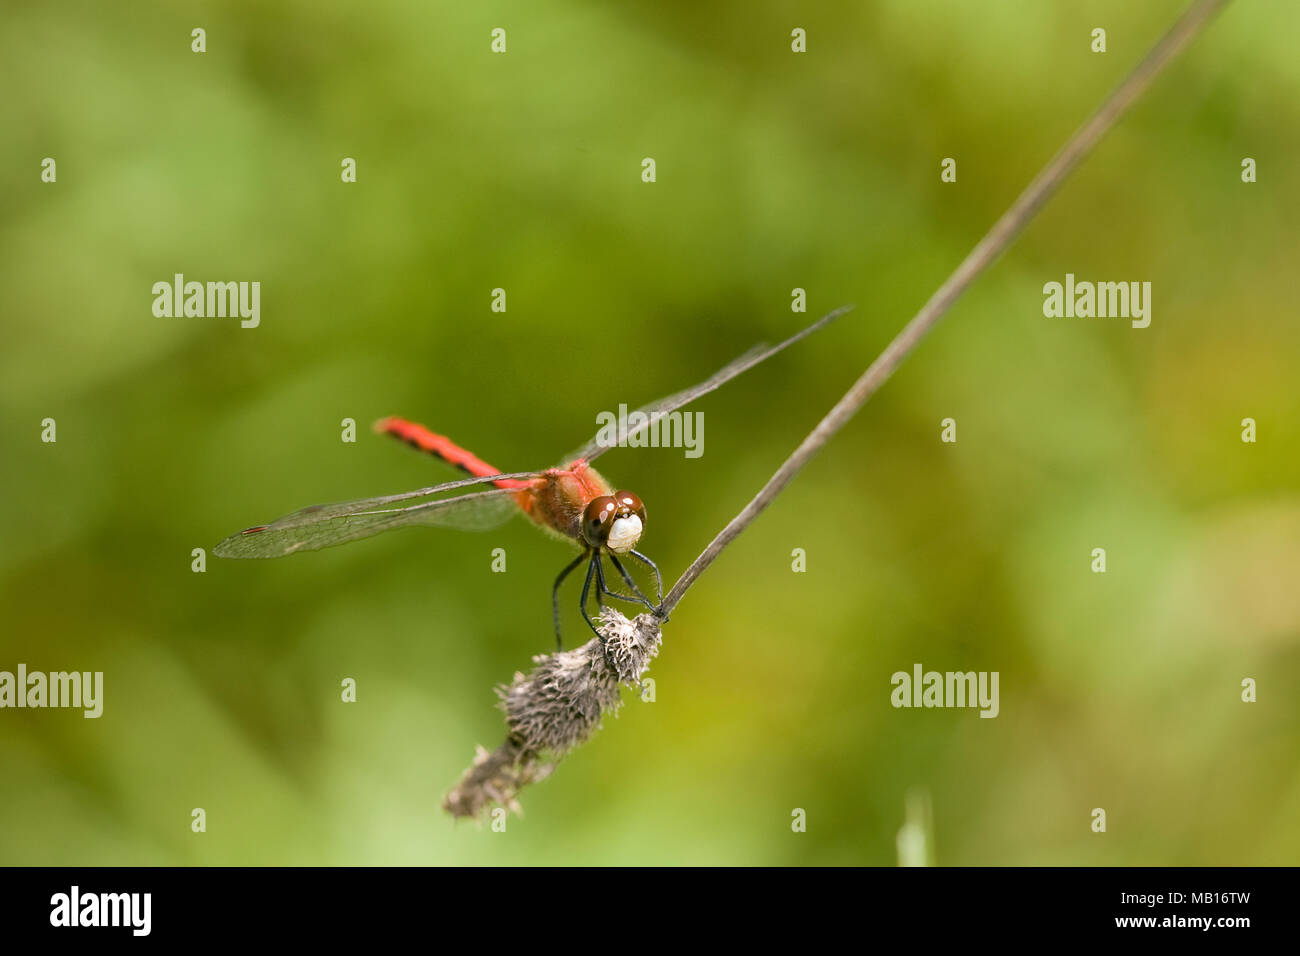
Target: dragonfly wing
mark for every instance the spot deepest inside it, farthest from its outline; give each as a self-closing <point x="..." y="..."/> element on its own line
<point x="646" y="416"/>
<point x="370" y="504"/>
<point x="323" y="526"/>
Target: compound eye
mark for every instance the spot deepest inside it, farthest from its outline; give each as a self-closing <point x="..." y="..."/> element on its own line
<point x="598" y="518"/>
<point x="630" y="501"/>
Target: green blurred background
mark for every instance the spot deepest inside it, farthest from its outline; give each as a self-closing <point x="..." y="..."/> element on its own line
<point x="775" y="171"/>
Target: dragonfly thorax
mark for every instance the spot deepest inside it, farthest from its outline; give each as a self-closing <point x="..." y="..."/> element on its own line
<point x="614" y="522"/>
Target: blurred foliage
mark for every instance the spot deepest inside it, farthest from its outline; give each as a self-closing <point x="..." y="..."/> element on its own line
<point x="775" y="170"/>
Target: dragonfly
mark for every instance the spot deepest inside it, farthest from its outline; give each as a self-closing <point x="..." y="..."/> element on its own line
<point x="572" y="501"/>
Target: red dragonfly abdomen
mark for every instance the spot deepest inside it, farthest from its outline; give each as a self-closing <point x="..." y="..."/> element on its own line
<point x="440" y="446"/>
<point x="554" y="500"/>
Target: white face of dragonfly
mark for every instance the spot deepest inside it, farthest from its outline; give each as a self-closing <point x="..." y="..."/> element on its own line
<point x="624" y="534"/>
<point x="614" y="522"/>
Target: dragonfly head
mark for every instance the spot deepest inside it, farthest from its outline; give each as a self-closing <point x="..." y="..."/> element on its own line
<point x="614" y="522"/>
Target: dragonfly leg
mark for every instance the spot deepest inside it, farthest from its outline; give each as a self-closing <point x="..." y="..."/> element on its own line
<point x="555" y="598"/>
<point x="659" y="582"/>
<point x="630" y="583"/>
<point x="603" y="587"/>
<point x="586" y="587"/>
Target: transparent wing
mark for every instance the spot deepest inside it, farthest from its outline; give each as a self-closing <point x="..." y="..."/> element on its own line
<point x="323" y="526"/>
<point x="657" y="410"/>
